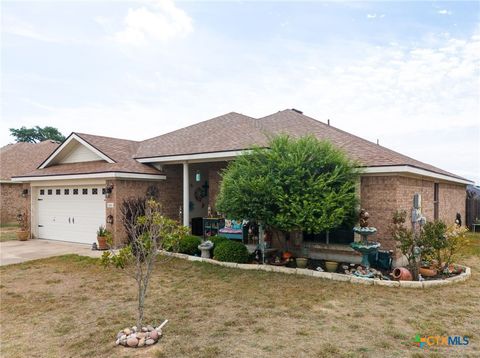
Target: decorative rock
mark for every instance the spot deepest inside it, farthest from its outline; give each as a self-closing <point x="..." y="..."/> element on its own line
<point x="134" y="328"/>
<point x="127" y="331"/>
<point x="149" y="342"/>
<point x="132" y="342"/>
<point x="119" y="335"/>
<point x="117" y="342"/>
<point x="123" y="337"/>
<point x="141" y="335"/>
<point x="154" y="335"/>
<point x="141" y="342"/>
<point x="150" y="328"/>
<point x="144" y="329"/>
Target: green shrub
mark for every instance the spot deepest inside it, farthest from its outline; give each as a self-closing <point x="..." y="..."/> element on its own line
<point x="216" y="240"/>
<point x="189" y="245"/>
<point x="231" y="251"/>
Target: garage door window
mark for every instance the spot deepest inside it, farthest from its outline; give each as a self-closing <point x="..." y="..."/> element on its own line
<point x="66" y="192"/>
<point x="75" y="191"/>
<point x="94" y="191"/>
<point x="58" y="192"/>
<point x="84" y="191"/>
<point x="49" y="191"/>
<point x="42" y="192"/>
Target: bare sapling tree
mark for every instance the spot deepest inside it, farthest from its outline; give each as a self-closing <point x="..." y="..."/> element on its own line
<point x="147" y="235"/>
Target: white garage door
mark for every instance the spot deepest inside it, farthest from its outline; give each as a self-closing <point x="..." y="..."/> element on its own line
<point x="70" y="213"/>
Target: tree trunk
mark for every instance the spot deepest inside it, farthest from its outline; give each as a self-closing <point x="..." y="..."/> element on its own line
<point x="141" y="304"/>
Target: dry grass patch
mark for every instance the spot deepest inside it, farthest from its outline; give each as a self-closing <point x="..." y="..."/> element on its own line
<point x="221" y="312"/>
<point x="8" y="232"/>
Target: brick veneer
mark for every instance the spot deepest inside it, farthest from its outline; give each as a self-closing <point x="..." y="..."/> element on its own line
<point x="214" y="179"/>
<point x="12" y="202"/>
<point x="169" y="192"/>
<point x="381" y="196"/>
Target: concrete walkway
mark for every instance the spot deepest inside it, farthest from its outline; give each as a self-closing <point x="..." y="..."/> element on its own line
<point x="14" y="252"/>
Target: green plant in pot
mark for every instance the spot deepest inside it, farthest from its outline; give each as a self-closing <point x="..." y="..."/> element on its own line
<point x="23" y="233"/>
<point x="103" y="238"/>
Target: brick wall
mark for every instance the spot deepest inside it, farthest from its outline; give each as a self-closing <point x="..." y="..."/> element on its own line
<point x="381" y="196"/>
<point x="169" y="195"/>
<point x="12" y="202"/>
<point x="378" y="197"/>
<point x="214" y="182"/>
<point x="452" y="200"/>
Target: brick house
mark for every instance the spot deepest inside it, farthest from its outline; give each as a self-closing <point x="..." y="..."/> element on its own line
<point x="82" y="184"/>
<point x="19" y="159"/>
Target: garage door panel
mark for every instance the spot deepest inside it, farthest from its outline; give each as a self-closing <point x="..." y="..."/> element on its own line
<point x="65" y="216"/>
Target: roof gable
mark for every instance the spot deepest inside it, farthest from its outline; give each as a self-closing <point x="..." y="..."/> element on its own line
<point x="75" y="150"/>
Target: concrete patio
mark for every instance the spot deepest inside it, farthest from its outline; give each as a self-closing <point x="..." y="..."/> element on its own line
<point x="14" y="252"/>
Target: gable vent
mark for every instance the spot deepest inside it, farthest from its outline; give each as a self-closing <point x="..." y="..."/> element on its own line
<point x="297" y="110"/>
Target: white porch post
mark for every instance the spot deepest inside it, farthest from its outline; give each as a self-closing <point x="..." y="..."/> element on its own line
<point x="186" y="201"/>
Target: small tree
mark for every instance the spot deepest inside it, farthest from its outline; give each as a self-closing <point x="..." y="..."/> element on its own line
<point x="297" y="184"/>
<point x="147" y="234"/>
<point x="36" y="134"/>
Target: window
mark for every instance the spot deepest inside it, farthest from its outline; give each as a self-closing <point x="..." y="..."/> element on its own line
<point x="435" y="200"/>
<point x="49" y="191"/>
<point x="104" y="191"/>
<point x="94" y="191"/>
<point x="75" y="191"/>
<point x="66" y="192"/>
<point x="42" y="192"/>
<point x="58" y="192"/>
<point x="343" y="235"/>
<point x="84" y="191"/>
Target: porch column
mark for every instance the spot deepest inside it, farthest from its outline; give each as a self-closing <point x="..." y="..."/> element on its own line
<point x="186" y="199"/>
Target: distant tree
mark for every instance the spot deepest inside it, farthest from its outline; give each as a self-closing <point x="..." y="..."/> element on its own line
<point x="36" y="134"/>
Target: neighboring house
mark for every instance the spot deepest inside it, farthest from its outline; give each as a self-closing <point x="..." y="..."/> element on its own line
<point x="184" y="165"/>
<point x="19" y="159"/>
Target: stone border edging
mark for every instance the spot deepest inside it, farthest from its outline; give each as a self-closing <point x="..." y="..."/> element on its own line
<point x="329" y="275"/>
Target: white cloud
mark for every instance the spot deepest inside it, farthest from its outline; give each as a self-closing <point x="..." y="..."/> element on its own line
<point x="375" y="16"/>
<point x="161" y="21"/>
<point x="15" y="26"/>
<point x="444" y="12"/>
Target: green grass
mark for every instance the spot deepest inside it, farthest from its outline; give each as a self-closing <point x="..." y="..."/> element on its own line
<point x="8" y="231"/>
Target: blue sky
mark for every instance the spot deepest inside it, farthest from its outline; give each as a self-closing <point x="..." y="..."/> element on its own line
<point x="406" y="73"/>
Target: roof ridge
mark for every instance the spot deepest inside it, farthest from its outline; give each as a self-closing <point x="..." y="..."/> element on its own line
<point x="101" y="136"/>
<point x="198" y="123"/>
<point x="378" y="146"/>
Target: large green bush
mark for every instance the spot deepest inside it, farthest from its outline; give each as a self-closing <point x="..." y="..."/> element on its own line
<point x="231" y="251"/>
<point x="296" y="184"/>
<point x="216" y="240"/>
<point x="189" y="245"/>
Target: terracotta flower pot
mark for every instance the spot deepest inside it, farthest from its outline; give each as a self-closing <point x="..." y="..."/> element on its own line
<point x="102" y="242"/>
<point x="23" y="235"/>
<point x="331" y="266"/>
<point x="301" y="262"/>
<point x="427" y="272"/>
<point x="402" y="274"/>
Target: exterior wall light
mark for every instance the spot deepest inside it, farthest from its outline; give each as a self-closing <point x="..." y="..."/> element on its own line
<point x="198" y="177"/>
<point x="24" y="193"/>
<point x="110" y="219"/>
<point x="108" y="190"/>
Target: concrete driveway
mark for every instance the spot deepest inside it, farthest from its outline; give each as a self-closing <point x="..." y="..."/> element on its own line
<point x="14" y="252"/>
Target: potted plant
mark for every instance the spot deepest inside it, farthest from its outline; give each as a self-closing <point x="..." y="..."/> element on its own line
<point x="23" y="234"/>
<point x="102" y="237"/>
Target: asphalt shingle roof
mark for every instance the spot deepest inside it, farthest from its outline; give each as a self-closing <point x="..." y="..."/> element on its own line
<point x="21" y="158"/>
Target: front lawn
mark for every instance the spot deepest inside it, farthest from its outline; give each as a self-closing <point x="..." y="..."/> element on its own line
<point x="8" y="232"/>
<point x="70" y="306"/>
